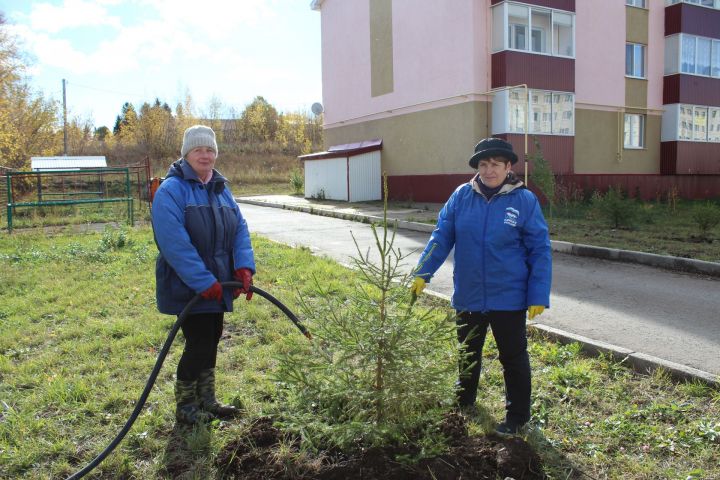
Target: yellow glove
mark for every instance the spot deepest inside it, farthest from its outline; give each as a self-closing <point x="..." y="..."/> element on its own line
<point x="534" y="311"/>
<point x="417" y="286"/>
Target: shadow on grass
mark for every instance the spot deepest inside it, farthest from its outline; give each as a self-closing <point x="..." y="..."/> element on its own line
<point x="555" y="463"/>
<point x="187" y="453"/>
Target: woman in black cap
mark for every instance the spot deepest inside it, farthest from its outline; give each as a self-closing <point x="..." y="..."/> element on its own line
<point x="503" y="270"/>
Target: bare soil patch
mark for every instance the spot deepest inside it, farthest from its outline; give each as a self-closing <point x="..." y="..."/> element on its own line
<point x="256" y="457"/>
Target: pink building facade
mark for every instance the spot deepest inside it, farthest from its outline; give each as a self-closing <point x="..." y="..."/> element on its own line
<point x="615" y="92"/>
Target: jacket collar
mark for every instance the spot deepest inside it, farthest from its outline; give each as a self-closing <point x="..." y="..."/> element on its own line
<point x="506" y="188"/>
<point x="181" y="168"/>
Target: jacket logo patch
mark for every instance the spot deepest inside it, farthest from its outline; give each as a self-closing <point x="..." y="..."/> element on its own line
<point x="511" y="217"/>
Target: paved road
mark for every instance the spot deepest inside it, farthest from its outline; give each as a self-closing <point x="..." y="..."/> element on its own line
<point x="673" y="316"/>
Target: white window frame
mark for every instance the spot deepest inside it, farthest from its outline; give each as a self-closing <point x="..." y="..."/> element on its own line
<point x="548" y="37"/>
<point x="713" y="128"/>
<point x="555" y="120"/>
<point x="629" y="131"/>
<point x="715" y="3"/>
<point x="543" y="40"/>
<point x="513" y="32"/>
<point x="676" y="66"/>
<point x="671" y="131"/>
<point x="635" y="3"/>
<point x="636" y="47"/>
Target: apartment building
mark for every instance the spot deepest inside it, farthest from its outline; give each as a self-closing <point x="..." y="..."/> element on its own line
<point x="616" y="92"/>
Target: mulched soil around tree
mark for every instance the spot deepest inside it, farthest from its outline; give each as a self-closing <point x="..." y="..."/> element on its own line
<point x="258" y="456"/>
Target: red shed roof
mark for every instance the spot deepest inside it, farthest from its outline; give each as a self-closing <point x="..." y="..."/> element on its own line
<point x="346" y="150"/>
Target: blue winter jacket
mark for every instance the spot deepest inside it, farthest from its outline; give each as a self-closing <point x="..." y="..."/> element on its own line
<point x="502" y="249"/>
<point x="202" y="238"/>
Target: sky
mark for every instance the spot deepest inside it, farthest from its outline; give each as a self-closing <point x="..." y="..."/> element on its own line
<point x="116" y="51"/>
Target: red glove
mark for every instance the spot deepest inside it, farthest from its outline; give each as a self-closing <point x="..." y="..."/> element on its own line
<point x="215" y="292"/>
<point x="243" y="275"/>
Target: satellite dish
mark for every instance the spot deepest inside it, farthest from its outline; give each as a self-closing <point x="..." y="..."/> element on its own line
<point x="317" y="108"/>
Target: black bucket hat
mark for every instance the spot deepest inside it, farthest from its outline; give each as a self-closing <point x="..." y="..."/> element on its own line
<point x="492" y="147"/>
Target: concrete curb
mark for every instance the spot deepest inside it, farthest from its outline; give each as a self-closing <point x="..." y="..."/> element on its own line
<point x="639" y="361"/>
<point x="660" y="261"/>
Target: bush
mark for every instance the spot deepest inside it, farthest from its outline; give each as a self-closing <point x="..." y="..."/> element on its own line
<point x="614" y="207"/>
<point x="707" y="217"/>
<point x="297" y="182"/>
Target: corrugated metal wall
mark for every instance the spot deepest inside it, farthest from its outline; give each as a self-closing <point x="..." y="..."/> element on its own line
<point x="326" y="179"/>
<point x="365" y="177"/>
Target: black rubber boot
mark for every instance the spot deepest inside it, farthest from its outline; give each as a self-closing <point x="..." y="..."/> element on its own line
<point x="187" y="410"/>
<point x="206" y="396"/>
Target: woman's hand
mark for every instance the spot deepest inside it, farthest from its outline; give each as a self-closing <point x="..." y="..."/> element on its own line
<point x="417" y="286"/>
<point x="534" y="311"/>
<point x="215" y="292"/>
<point x="243" y="275"/>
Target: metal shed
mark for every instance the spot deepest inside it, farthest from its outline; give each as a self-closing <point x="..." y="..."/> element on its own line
<point x="66" y="163"/>
<point x="349" y="172"/>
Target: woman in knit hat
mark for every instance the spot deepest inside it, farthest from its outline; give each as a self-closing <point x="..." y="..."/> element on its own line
<point x="203" y="240"/>
<point x="502" y="272"/>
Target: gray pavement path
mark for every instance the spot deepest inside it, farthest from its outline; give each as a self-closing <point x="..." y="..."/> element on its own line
<point x="652" y="317"/>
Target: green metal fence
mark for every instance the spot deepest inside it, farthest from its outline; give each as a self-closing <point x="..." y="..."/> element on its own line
<point x="100" y="196"/>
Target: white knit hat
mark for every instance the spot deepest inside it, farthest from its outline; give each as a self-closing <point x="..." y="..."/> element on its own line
<point x="198" y="136"/>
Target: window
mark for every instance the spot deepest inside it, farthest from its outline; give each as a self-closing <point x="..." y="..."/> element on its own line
<point x="698" y="123"/>
<point x="518" y="40"/>
<point x="672" y="54"/>
<point x="551" y="113"/>
<point x="635" y="3"/>
<point x="686" y="123"/>
<point x="517" y="106"/>
<point x="687" y="54"/>
<point x="635" y="60"/>
<point x="518" y="24"/>
<point x="533" y="29"/>
<point x="563" y="35"/>
<point x="541" y="22"/>
<point x="714" y="125"/>
<point x="702" y="3"/>
<point x="634" y="130"/>
<point x="696" y="55"/>
<point x="541" y="102"/>
<point x="703" y="57"/>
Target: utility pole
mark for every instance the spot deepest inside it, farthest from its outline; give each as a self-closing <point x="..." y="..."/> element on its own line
<point x="64" y="120"/>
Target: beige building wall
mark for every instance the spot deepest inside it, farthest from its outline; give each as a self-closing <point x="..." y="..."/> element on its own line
<point x="599" y="144"/>
<point x="636" y="25"/>
<point x="381" y="47"/>
<point x="436" y="141"/>
<point x="636" y="92"/>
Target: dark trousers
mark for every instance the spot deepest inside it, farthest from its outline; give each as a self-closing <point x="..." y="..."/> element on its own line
<point x="508" y="328"/>
<point x="202" y="333"/>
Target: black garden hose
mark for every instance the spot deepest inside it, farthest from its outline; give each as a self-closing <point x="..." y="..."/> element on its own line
<point x="161" y="358"/>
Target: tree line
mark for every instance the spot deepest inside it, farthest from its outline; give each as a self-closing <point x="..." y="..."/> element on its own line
<point x="31" y="125"/>
<point x="156" y="130"/>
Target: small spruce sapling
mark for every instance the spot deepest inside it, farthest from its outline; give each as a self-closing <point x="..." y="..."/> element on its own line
<point x="379" y="369"/>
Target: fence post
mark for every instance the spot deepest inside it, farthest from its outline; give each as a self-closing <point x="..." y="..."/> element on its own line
<point x="9" y="202"/>
<point x="131" y="216"/>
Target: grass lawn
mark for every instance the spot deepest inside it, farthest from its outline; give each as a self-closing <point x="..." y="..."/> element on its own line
<point x="79" y="334"/>
<point x="654" y="228"/>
